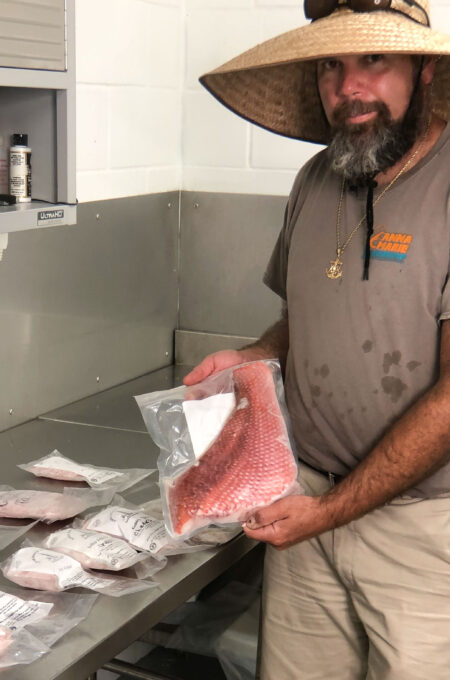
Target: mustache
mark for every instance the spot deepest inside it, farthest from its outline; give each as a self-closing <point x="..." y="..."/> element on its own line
<point x="356" y="107"/>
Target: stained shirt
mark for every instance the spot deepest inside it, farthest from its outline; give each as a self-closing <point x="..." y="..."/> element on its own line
<point x="362" y="352"/>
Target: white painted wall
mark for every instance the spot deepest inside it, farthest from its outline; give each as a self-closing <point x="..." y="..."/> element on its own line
<point x="222" y="152"/>
<point x="129" y="77"/>
<point x="145" y="124"/>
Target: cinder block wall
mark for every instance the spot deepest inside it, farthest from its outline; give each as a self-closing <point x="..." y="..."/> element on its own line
<point x="129" y="56"/>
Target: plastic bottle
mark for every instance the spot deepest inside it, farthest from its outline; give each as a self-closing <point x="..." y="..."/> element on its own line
<point x="4" y="167"/>
<point x="20" y="168"/>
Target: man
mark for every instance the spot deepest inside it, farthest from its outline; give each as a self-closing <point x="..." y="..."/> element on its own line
<point x="357" y="572"/>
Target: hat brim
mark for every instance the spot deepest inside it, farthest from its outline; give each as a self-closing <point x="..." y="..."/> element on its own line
<point x="274" y="84"/>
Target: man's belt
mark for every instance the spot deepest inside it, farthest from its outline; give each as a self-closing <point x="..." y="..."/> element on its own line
<point x="332" y="478"/>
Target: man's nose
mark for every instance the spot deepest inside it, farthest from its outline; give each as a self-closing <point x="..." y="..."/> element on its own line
<point x="351" y="81"/>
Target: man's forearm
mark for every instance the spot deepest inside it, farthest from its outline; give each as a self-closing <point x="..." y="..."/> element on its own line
<point x="416" y="446"/>
<point x="274" y="343"/>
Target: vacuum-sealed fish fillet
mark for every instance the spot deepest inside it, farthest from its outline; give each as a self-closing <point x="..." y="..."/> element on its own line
<point x="249" y="464"/>
<point x="94" y="550"/>
<point x="49" y="506"/>
<point x="57" y="466"/>
<point x="44" y="569"/>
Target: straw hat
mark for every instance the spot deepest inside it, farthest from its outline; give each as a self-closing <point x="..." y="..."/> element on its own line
<point x="274" y="84"/>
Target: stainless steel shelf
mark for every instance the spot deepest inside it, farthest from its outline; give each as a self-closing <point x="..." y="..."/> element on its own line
<point x="36" y="214"/>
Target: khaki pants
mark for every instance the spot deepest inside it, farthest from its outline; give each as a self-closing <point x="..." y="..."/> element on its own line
<point x="368" y="601"/>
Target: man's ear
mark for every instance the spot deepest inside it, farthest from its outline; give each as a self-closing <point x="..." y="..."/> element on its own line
<point x="429" y="65"/>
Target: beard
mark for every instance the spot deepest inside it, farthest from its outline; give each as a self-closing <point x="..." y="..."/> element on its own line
<point x="359" y="152"/>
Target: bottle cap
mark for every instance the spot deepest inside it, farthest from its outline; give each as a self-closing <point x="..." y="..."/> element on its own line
<point x="19" y="139"/>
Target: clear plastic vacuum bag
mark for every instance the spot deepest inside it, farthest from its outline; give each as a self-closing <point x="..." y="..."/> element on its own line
<point x="49" y="506"/>
<point x="140" y="529"/>
<point x="207" y="537"/>
<point x="31" y="622"/>
<point x="135" y="526"/>
<point x="94" y="550"/>
<point x="57" y="466"/>
<point x="225" y="448"/>
<point x="19" y="648"/>
<point x="43" y="569"/>
<point x="11" y="529"/>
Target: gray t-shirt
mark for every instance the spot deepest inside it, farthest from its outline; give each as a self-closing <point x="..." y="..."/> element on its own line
<point x="362" y="352"/>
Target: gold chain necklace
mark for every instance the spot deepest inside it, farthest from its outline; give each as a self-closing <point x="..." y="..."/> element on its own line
<point x="334" y="271"/>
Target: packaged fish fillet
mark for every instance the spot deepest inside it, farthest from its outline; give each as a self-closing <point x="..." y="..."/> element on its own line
<point x="5" y="640"/>
<point x="145" y="530"/>
<point x="49" y="506"/>
<point x="32" y="623"/>
<point x="44" y="569"/>
<point x="139" y="529"/>
<point x="94" y="550"/>
<point x="57" y="466"/>
<point x="224" y="446"/>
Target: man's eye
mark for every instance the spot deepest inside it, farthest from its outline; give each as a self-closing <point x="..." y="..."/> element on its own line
<point x="328" y="64"/>
<point x="373" y="58"/>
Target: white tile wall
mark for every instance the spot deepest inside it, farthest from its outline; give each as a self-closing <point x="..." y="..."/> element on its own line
<point x="285" y="19"/>
<point x="276" y="4"/>
<point x="239" y="157"/>
<point x="440" y="15"/>
<point x="92" y="127"/>
<point x="212" y="136"/>
<point x="209" y="4"/>
<point x="111" y="41"/>
<point x="145" y="127"/>
<point x="129" y="78"/>
<point x="270" y="151"/>
<point x="174" y="3"/>
<point x="215" y="36"/>
<point x="104" y="184"/>
<point x="238" y="180"/>
<point x="144" y="122"/>
<point x="163" y="57"/>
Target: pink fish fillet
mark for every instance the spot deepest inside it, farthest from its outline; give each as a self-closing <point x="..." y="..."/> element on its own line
<point x="249" y="465"/>
<point x="5" y="639"/>
<point x="33" y="579"/>
<point x="56" y="473"/>
<point x="44" y="505"/>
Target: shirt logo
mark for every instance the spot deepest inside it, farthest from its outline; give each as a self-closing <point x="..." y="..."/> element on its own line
<point x="385" y="245"/>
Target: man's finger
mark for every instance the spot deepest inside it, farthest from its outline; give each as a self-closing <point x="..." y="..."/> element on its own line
<point x="265" y="516"/>
<point x="200" y="372"/>
<point x="267" y="533"/>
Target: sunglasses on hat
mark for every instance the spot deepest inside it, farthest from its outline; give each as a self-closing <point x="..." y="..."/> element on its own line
<point x="317" y="9"/>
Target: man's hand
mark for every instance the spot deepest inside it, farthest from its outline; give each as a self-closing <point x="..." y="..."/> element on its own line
<point x="273" y="344"/>
<point x="218" y="361"/>
<point x="288" y="521"/>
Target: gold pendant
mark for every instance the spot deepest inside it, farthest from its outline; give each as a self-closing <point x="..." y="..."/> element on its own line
<point x="334" y="271"/>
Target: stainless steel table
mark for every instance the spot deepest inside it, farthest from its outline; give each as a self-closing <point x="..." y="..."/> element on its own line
<point x="107" y="429"/>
